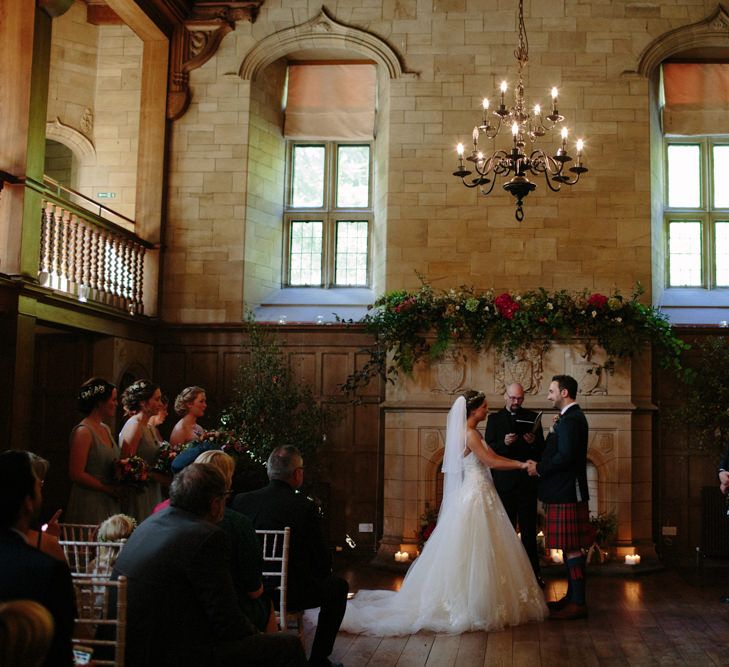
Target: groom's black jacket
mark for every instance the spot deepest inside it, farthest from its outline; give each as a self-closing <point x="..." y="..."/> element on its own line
<point x="563" y="468"/>
<point x="498" y="425"/>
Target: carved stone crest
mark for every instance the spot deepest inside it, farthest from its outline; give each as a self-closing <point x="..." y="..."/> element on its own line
<point x="448" y="374"/>
<point x="526" y="368"/>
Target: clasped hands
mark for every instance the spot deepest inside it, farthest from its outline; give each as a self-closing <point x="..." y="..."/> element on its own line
<point x="531" y="467"/>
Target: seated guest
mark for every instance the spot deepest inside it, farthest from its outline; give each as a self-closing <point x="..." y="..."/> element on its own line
<point x="45" y="539"/>
<point x="114" y="529"/>
<point x="26" y="631"/>
<point x="25" y="572"/>
<point x="246" y="559"/>
<point x="181" y="604"/>
<point x="311" y="583"/>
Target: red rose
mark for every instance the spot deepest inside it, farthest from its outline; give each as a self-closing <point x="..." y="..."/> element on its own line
<point x="597" y="300"/>
<point x="506" y="306"/>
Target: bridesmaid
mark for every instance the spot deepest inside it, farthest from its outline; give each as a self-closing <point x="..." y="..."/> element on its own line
<point x="141" y="400"/>
<point x="93" y="453"/>
<point x="155" y="421"/>
<point x="190" y="404"/>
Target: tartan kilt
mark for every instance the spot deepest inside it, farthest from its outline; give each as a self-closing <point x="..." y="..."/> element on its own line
<point x="567" y="526"/>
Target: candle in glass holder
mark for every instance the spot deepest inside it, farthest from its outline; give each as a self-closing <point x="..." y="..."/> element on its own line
<point x="556" y="556"/>
<point x="632" y="559"/>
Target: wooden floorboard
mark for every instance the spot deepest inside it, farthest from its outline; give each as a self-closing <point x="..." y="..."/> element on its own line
<point x="663" y="619"/>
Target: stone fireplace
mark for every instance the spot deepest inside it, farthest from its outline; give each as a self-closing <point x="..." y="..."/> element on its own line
<point x="616" y="400"/>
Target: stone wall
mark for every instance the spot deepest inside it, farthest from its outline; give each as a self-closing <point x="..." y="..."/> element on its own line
<point x="596" y="235"/>
<point x="94" y="91"/>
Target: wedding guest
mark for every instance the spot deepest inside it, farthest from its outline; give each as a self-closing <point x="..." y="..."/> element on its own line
<point x="246" y="561"/>
<point x="514" y="433"/>
<point x="190" y="405"/>
<point x="142" y="401"/>
<point x="93" y="453"/>
<point x="26" y="572"/>
<point x="724" y="487"/>
<point x="181" y="605"/>
<point x="562" y="488"/>
<point x="46" y="537"/>
<point x="114" y="529"/>
<point x="311" y="582"/>
<point x="26" y="631"/>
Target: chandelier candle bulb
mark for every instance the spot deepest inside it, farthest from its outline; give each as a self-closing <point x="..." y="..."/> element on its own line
<point x="524" y="159"/>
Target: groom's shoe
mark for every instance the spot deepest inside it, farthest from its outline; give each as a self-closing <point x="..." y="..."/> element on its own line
<point x="558" y="604"/>
<point x="569" y="612"/>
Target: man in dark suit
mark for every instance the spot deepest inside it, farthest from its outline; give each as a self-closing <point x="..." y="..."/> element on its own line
<point x="514" y="433"/>
<point x="563" y="489"/>
<point x="724" y="488"/>
<point x="181" y="603"/>
<point x="25" y="572"/>
<point x="311" y="583"/>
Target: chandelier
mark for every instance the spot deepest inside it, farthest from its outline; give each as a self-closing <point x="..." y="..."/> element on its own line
<point x="526" y="127"/>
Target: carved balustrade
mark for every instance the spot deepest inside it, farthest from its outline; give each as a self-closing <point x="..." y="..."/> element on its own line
<point x="86" y="255"/>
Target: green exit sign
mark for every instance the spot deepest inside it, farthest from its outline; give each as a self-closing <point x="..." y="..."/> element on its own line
<point x="106" y="195"/>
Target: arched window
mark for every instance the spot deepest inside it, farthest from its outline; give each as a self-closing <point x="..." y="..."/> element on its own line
<point x="688" y="71"/>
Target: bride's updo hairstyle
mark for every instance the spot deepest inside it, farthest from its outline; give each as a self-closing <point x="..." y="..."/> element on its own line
<point x="474" y="399"/>
<point x="92" y="393"/>
<point x="137" y="393"/>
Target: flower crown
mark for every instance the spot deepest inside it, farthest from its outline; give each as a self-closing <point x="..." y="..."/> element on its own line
<point x="93" y="390"/>
<point x="478" y="398"/>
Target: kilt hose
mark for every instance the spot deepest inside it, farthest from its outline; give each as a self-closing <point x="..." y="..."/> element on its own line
<point x="568" y="527"/>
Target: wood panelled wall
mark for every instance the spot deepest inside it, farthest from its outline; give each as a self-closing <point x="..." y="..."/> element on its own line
<point x="322" y="357"/>
<point x="682" y="468"/>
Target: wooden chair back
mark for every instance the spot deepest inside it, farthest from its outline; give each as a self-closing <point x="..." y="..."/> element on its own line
<point x="102" y="619"/>
<point x="275" y="545"/>
<point x="91" y="559"/>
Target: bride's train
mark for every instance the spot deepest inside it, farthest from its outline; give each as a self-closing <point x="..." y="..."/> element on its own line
<point x="473" y="573"/>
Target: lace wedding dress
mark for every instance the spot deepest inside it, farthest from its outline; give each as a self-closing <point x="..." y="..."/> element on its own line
<point x="473" y="573"/>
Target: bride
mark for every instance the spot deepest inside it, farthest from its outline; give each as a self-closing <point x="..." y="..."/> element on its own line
<point x="473" y="573"/>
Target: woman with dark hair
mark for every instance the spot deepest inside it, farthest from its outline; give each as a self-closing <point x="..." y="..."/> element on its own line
<point x="473" y="573"/>
<point x="93" y="453"/>
<point x="190" y="405"/>
<point x="141" y="400"/>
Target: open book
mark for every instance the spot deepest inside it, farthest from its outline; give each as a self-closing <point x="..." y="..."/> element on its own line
<point x="529" y="426"/>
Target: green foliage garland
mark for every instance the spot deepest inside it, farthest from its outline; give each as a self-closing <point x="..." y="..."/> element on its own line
<point x="402" y="322"/>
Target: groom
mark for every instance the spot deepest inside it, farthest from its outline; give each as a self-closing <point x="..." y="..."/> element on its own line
<point x="562" y="476"/>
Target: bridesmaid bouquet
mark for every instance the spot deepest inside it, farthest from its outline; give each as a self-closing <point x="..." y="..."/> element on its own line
<point x="225" y="441"/>
<point x="132" y="470"/>
<point x="166" y="454"/>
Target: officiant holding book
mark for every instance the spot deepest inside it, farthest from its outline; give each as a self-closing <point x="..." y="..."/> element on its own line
<point x="516" y="433"/>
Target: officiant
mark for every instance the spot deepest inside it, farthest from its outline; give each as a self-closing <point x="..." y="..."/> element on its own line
<point x="516" y="433"/>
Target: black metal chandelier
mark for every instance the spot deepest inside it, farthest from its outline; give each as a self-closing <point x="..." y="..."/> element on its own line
<point x="526" y="126"/>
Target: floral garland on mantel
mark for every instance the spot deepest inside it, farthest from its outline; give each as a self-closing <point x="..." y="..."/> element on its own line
<point x="402" y="323"/>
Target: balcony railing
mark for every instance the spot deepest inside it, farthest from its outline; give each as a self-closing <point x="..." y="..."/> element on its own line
<point x="87" y="255"/>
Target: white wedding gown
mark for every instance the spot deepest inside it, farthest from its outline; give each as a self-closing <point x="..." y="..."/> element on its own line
<point x="473" y="573"/>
